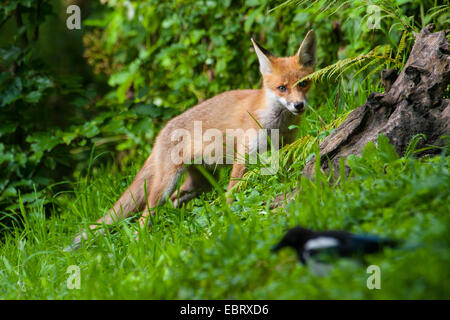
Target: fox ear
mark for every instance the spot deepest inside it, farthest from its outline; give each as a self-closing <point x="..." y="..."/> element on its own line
<point x="265" y="65"/>
<point x="306" y="54"/>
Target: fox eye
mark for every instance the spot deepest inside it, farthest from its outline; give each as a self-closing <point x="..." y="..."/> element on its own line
<point x="303" y="84"/>
<point x="282" y="88"/>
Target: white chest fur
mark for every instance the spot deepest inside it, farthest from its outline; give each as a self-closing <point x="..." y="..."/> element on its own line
<point x="277" y="115"/>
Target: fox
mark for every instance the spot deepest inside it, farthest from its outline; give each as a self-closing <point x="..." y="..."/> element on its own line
<point x="278" y="104"/>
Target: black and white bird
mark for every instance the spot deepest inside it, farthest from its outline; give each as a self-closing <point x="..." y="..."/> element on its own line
<point x="333" y="243"/>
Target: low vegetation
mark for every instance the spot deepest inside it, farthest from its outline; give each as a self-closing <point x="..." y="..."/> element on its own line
<point x="59" y="175"/>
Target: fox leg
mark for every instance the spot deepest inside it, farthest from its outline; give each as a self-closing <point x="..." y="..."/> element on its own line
<point x="237" y="172"/>
<point x="194" y="184"/>
<point x="162" y="186"/>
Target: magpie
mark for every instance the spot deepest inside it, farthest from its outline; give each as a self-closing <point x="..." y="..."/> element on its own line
<point x="334" y="243"/>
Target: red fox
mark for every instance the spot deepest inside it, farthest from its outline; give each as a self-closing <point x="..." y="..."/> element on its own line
<point x="277" y="105"/>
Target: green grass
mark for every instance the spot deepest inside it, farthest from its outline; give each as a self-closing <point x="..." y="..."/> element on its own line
<point x="208" y="250"/>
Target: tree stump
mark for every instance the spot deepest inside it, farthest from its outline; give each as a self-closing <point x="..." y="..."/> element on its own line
<point x="412" y="103"/>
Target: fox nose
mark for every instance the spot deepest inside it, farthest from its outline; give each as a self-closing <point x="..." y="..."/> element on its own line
<point x="299" y="106"/>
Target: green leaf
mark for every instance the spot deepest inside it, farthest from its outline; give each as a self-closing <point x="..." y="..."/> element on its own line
<point x="41" y="142"/>
<point x="12" y="92"/>
<point x="386" y="149"/>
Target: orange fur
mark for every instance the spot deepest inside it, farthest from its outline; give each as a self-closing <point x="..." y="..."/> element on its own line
<point x="229" y="110"/>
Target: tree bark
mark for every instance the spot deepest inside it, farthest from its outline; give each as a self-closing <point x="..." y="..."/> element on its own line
<point x="412" y="103"/>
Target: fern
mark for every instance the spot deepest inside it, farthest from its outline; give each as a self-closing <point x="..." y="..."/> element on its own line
<point x="298" y="151"/>
<point x="400" y="49"/>
<point x="380" y="56"/>
<point x="441" y="11"/>
<point x="413" y="144"/>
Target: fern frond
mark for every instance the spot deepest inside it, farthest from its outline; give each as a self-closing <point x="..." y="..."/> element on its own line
<point x="378" y="68"/>
<point x="400" y="49"/>
<point x="341" y="66"/>
<point x="299" y="150"/>
<point x="413" y="144"/>
<point x="380" y="54"/>
<point x="375" y="60"/>
<point x="296" y="152"/>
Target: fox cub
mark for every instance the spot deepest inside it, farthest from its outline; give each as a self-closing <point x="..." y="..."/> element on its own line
<point x="277" y="105"/>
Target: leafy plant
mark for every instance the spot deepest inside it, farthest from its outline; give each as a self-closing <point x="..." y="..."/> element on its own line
<point x="391" y="18"/>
